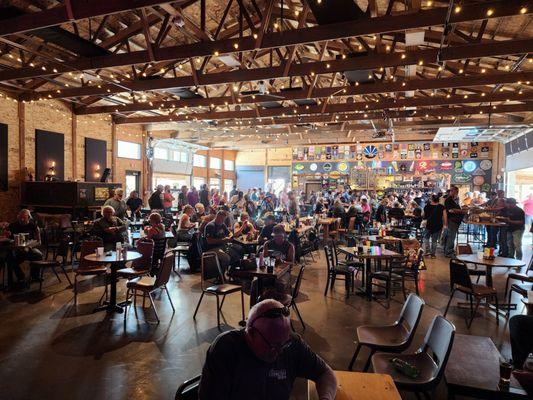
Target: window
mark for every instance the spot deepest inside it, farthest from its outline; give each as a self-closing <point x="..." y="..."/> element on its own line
<point x="228" y="185"/>
<point x="197" y="182"/>
<point x="128" y="150"/>
<point x="199" y="161"/>
<point x="160" y="153"/>
<point x="215" y="163"/>
<point x="180" y="156"/>
<point x="214" y="183"/>
<point x="132" y="181"/>
<point x="229" y="165"/>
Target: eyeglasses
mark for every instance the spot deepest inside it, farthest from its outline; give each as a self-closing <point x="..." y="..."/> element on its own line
<point x="277" y="348"/>
<point x="274" y="313"/>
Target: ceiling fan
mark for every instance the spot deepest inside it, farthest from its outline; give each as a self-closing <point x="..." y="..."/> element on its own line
<point x="261" y="91"/>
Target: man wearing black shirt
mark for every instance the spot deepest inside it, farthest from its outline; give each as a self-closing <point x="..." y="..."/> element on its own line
<point x="266" y="231"/>
<point x="454" y="213"/>
<point x="156" y="199"/>
<point x="436" y="219"/>
<point x="135" y="203"/>
<point x="516" y="218"/>
<point x="24" y="224"/>
<point x="218" y="238"/>
<point x="262" y="361"/>
<point x="204" y="196"/>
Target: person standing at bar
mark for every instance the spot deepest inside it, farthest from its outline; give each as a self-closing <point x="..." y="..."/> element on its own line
<point x="156" y="199"/>
<point x="167" y="199"/>
<point x="454" y="214"/>
<point x="516" y="220"/>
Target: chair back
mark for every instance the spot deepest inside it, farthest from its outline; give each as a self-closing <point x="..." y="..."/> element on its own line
<point x="463" y="248"/>
<point x="146" y="248"/>
<point x="88" y="247"/>
<point x="330" y="258"/>
<point x="160" y="245"/>
<point x="210" y="267"/>
<point x="438" y="343"/>
<point x="411" y="313"/>
<point x="351" y="224"/>
<point x="459" y="274"/>
<point x="188" y="390"/>
<point x="163" y="275"/>
<point x="298" y="283"/>
<point x="63" y="248"/>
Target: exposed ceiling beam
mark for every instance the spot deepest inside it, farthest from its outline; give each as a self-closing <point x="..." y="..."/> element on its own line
<point x="370" y="26"/>
<point x="370" y="88"/>
<point x="432" y="112"/>
<point x="71" y="10"/>
<point x="371" y="61"/>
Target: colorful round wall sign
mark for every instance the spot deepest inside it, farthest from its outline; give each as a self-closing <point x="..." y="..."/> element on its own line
<point x="327" y="167"/>
<point x="485" y="164"/>
<point x="343" y="167"/>
<point x="478" y="180"/>
<point x="313" y="167"/>
<point x="469" y="166"/>
<point x="299" y="167"/>
<point x="370" y="151"/>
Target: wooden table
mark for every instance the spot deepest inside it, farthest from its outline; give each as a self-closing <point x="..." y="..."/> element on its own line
<point x="473" y="370"/>
<point x="260" y="273"/>
<point x="116" y="263"/>
<point x="360" y="386"/>
<point x="503" y="262"/>
<point x="326" y="222"/>
<point x="375" y="253"/>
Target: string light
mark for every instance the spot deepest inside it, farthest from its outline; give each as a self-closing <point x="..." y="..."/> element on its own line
<point x="457" y="9"/>
<point x="523" y="10"/>
<point x="490" y="11"/>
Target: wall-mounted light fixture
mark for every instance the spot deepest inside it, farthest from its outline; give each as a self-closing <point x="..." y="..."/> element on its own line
<point x="97" y="171"/>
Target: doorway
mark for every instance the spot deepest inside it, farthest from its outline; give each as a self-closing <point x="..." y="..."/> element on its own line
<point x="132" y="182"/>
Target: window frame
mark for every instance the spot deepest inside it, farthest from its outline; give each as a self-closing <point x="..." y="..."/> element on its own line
<point x="132" y="144"/>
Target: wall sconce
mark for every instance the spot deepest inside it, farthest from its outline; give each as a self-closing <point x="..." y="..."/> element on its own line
<point x="52" y="168"/>
<point x="96" y="171"/>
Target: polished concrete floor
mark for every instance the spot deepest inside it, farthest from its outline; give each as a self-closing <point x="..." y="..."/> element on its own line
<point x="50" y="349"/>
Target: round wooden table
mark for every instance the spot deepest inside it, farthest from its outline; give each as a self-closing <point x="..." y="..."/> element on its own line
<point x="502" y="262"/>
<point x="116" y="263"/>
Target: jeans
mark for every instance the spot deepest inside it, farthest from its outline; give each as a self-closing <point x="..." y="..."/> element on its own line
<point x="502" y="242"/>
<point x="492" y="236"/>
<point x="453" y="228"/>
<point x="514" y="243"/>
<point x="430" y="239"/>
<point x="17" y="257"/>
<point x="521" y="333"/>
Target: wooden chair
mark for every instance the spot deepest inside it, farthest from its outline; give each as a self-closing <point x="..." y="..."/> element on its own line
<point x="147" y="285"/>
<point x="393" y="338"/>
<point x="465" y="248"/>
<point x="460" y="282"/>
<point x="87" y="268"/>
<point x="142" y="265"/>
<point x="210" y="270"/>
<point x="430" y="359"/>
<point x="61" y="251"/>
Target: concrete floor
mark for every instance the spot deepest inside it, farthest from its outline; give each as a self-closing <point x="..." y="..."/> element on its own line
<point x="51" y="350"/>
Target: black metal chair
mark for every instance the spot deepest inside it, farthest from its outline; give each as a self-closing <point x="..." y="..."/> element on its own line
<point x="62" y="251"/>
<point x="188" y="390"/>
<point x="290" y="300"/>
<point x="393" y="338"/>
<point x="430" y="359"/>
<point x="210" y="270"/>
<point x="520" y="289"/>
<point x="460" y="282"/>
<point x="160" y="246"/>
<point x="334" y="271"/>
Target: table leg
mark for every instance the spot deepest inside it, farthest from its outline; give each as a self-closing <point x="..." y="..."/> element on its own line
<point x="368" y="282"/>
<point x="112" y="306"/>
<point x="326" y="233"/>
<point x="488" y="279"/>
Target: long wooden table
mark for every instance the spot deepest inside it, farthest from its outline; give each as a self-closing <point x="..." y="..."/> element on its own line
<point x="360" y="386"/>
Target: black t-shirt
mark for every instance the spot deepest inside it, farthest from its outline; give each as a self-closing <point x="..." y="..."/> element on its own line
<point x="30" y="228"/>
<point x="515" y="214"/>
<point x="134" y="203"/>
<point x="433" y="215"/>
<point x="204" y="197"/>
<point x="232" y="372"/>
<point x="266" y="232"/>
<point x="215" y="231"/>
<point x="396" y="213"/>
<point x="280" y="251"/>
<point x="452" y="204"/>
<point x="155" y="201"/>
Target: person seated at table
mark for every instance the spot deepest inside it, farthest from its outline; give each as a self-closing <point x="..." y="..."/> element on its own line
<point x="244" y="227"/>
<point x="337" y="210"/>
<point x="381" y="212"/>
<point x="109" y="228"/>
<point x="396" y="212"/>
<point x="267" y="206"/>
<point x="207" y="219"/>
<point x="199" y="213"/>
<point x="266" y="231"/>
<point x="155" y="230"/>
<point x="218" y="238"/>
<point x="262" y="361"/>
<point x="318" y="206"/>
<point x="134" y="204"/>
<point x="185" y="224"/>
<point x="118" y="204"/>
<point x="24" y="224"/>
<point x="516" y="220"/>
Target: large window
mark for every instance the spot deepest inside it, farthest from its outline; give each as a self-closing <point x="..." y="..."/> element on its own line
<point x="228" y="185"/>
<point x="199" y="161"/>
<point x="197" y="182"/>
<point x="128" y="150"/>
<point x="160" y="153"/>
<point x="229" y="165"/>
<point x="215" y="163"/>
<point x="214" y="183"/>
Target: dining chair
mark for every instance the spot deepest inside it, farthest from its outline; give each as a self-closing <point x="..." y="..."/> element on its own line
<point x="465" y="248"/>
<point x="188" y="390"/>
<point x="147" y="285"/>
<point x="388" y="278"/>
<point x="515" y="287"/>
<point x="88" y="268"/>
<point x="140" y="266"/>
<point x="395" y="337"/>
<point x="290" y="300"/>
<point x="430" y="359"/>
<point x="335" y="270"/>
<point x="60" y="252"/>
<point x="460" y="282"/>
<point x="160" y="246"/>
<point x="211" y="271"/>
